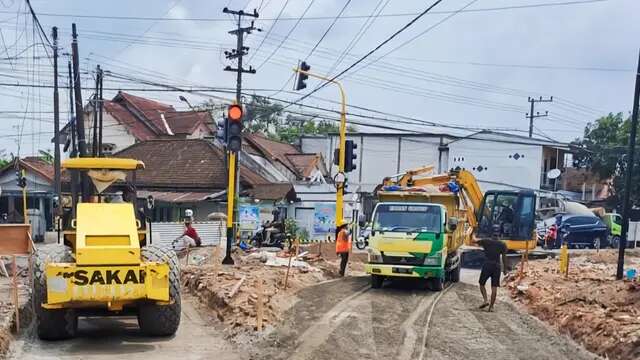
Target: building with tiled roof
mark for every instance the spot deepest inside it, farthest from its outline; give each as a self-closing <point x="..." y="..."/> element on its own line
<point x="191" y="173"/>
<point x="128" y="119"/>
<point x="40" y="191"/>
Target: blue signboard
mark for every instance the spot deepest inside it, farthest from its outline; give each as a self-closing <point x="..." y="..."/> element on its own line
<point x="324" y="218"/>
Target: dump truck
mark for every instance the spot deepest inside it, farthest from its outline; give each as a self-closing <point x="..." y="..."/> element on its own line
<point x="420" y="223"/>
<point x="104" y="264"/>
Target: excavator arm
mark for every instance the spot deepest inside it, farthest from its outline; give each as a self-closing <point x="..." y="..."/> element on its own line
<point x="471" y="193"/>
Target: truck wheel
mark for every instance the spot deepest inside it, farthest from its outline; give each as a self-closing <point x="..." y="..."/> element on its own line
<point x="376" y="281"/>
<point x="615" y="242"/>
<point x="51" y="324"/>
<point x="162" y="320"/>
<point x="454" y="275"/>
<point x="435" y="284"/>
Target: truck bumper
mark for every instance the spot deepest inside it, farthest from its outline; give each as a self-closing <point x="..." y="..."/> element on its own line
<point x="405" y="270"/>
<point x="113" y="286"/>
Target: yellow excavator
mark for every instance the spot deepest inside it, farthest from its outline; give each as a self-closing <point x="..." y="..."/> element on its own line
<point x="508" y="215"/>
<point x="104" y="264"/>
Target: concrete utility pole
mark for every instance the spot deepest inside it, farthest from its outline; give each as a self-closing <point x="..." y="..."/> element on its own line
<point x="94" y="142"/>
<point x="56" y="123"/>
<point x="531" y="115"/>
<point x="100" y="108"/>
<point x="77" y="89"/>
<point x="626" y="204"/>
<point x="233" y="188"/>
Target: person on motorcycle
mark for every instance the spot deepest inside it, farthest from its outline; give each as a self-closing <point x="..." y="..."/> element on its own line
<point x="343" y="244"/>
<point x="274" y="226"/>
<point x="190" y="237"/>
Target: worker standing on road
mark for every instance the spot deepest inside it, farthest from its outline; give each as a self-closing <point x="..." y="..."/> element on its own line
<point x="343" y="245"/>
<point x="494" y="250"/>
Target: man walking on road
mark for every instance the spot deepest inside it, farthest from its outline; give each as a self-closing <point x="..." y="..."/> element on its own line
<point x="343" y="245"/>
<point x="494" y="250"/>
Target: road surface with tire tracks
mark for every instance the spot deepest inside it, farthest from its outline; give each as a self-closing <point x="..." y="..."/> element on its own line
<point x="342" y="319"/>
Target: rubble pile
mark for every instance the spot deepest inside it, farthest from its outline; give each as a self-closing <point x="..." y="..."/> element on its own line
<point x="591" y="306"/>
<point x="232" y="292"/>
<point x="6" y="316"/>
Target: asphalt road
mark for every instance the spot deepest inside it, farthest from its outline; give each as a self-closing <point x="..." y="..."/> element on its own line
<point x="342" y="319"/>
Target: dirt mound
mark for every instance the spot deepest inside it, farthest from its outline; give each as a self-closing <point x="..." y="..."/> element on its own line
<point x="232" y="291"/>
<point x="590" y="305"/>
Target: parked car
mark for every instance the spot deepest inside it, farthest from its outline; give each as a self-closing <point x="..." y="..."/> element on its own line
<point x="583" y="231"/>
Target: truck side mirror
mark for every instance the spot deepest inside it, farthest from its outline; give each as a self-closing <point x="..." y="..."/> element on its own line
<point x="362" y="220"/>
<point x="452" y="224"/>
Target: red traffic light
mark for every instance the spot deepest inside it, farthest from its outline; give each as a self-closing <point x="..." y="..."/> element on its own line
<point x="234" y="112"/>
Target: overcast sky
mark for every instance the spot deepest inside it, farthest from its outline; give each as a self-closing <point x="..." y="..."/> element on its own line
<point x="475" y="68"/>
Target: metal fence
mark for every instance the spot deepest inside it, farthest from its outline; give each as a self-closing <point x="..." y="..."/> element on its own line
<point x="211" y="232"/>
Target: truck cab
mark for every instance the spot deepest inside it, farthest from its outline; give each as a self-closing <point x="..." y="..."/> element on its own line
<point x="417" y="239"/>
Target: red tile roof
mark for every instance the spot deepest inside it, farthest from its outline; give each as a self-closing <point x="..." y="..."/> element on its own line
<point x="180" y="164"/>
<point x="143" y="118"/>
<point x="38" y="165"/>
<point x="304" y="163"/>
<point x="272" y="149"/>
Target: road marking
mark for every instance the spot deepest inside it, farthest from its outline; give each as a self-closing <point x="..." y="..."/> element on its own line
<point x="319" y="332"/>
<point x="426" y="326"/>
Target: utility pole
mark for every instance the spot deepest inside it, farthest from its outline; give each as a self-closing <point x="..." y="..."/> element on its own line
<point x="75" y="179"/>
<point x="100" y="110"/>
<point x="626" y="205"/>
<point x="94" y="141"/>
<point x="82" y="141"/>
<point x="532" y="116"/>
<point x="56" y="124"/>
<point x="233" y="186"/>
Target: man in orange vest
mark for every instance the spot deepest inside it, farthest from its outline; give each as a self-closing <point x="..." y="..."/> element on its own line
<point x="343" y="244"/>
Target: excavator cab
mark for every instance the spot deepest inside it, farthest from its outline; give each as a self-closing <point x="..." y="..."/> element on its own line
<point x="508" y="216"/>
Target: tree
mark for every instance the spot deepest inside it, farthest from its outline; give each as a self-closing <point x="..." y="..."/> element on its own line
<point x="263" y="116"/>
<point x="603" y="150"/>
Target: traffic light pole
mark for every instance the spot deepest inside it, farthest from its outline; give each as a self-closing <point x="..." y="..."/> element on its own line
<point x="233" y="185"/>
<point x="340" y="178"/>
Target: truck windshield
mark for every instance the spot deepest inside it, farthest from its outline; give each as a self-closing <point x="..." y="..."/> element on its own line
<point x="407" y="218"/>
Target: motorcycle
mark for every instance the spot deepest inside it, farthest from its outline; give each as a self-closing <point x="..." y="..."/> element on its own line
<point x="276" y="238"/>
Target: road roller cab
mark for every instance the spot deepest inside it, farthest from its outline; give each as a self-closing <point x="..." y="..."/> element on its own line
<point x="104" y="265"/>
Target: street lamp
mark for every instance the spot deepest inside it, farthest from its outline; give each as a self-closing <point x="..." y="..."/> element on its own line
<point x="184" y="99"/>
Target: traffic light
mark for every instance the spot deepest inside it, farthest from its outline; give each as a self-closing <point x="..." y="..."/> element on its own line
<point x="302" y="77"/>
<point x="21" y="179"/>
<point x="221" y="130"/>
<point x="234" y="127"/>
<point x="350" y="155"/>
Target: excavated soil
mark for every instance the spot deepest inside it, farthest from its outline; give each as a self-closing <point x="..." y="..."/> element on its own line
<point x="231" y="292"/>
<point x="601" y="313"/>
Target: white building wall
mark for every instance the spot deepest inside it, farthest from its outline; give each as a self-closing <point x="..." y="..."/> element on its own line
<point x="496" y="163"/>
<point x="112" y="132"/>
<point x="495" y="160"/>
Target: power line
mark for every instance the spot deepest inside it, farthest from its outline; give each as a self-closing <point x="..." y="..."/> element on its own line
<point x="270" y="29"/>
<point x="317" y="18"/>
<point x="387" y="40"/>
<point x="410" y="40"/>
<point x="286" y="36"/>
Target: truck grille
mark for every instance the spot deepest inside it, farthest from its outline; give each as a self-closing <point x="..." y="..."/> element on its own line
<point x="402" y="260"/>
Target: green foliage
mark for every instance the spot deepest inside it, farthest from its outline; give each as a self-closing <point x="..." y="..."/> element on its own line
<point x="291" y="227"/>
<point x="263" y="116"/>
<point x="603" y="149"/>
<point x="46" y="156"/>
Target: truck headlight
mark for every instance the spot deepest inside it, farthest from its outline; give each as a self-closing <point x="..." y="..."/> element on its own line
<point x="433" y="260"/>
<point x="375" y="257"/>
